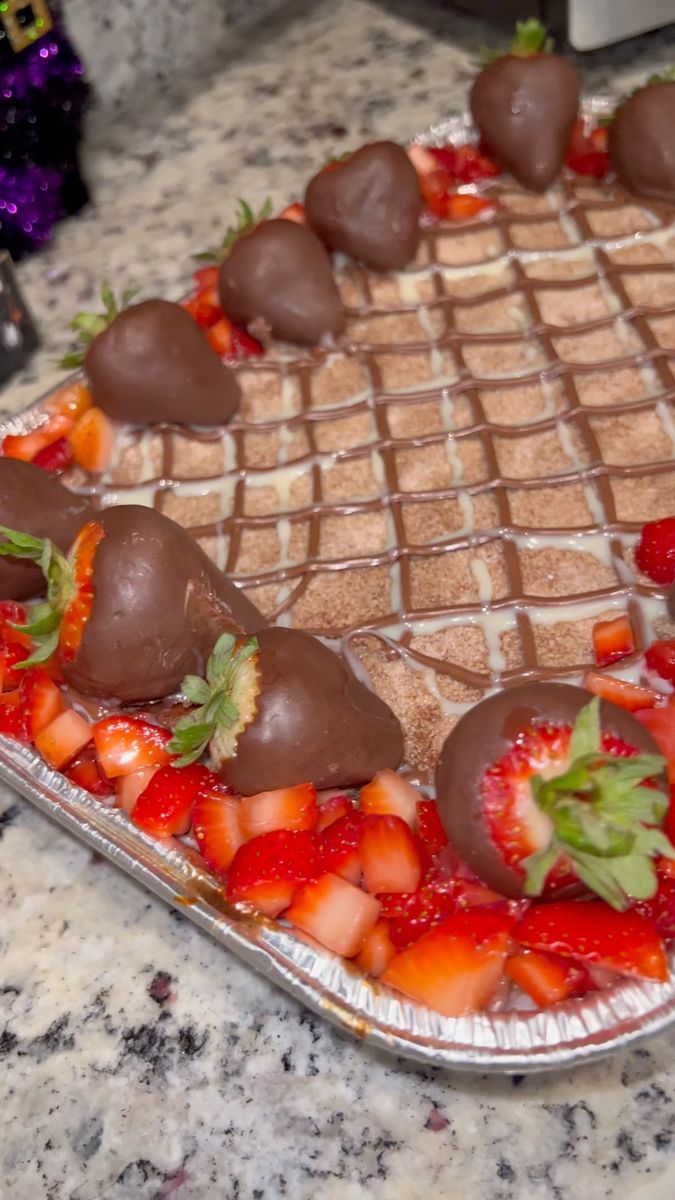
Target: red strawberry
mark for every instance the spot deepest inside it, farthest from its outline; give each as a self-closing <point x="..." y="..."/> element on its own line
<point x="204" y="308"/>
<point x="587" y="153"/>
<point x="377" y="950"/>
<point x="661" y="724"/>
<point x="129" y="787"/>
<point x="593" y="932"/>
<point x="244" y="345"/>
<point x="12" y="614"/>
<point x="91" y="441"/>
<point x="58" y="456"/>
<point x="612" y="640"/>
<point x="206" y="278"/>
<point x="292" y="808"/>
<point x="13" y="719"/>
<point x="389" y="795"/>
<point x="63" y="738"/>
<point x="456" y="967"/>
<point x="546" y="978"/>
<point x="26" y="446"/>
<point x="390" y="858"/>
<point x="165" y="807"/>
<point x="72" y="400"/>
<point x="331" y="809"/>
<point x="127" y="744"/>
<point x="429" y="827"/>
<point x="660" y="910"/>
<point x="41" y="700"/>
<point x="294" y="212"/>
<point x="13" y="653"/>
<point x="335" y="913"/>
<point x="340" y="847"/>
<point x="631" y="696"/>
<point x="86" y="773"/>
<point x="411" y="914"/>
<point x="655" y="551"/>
<point x="660" y="658"/>
<point x="215" y="824"/>
<point x="78" y="609"/>
<point x="266" y="871"/>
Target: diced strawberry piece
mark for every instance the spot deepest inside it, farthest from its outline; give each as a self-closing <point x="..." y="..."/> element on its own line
<point x="334" y="912"/>
<point x="475" y="895"/>
<point x="612" y="640"/>
<point x="655" y="551"/>
<point x="472" y="166"/>
<point x="204" y="308"/>
<point x="376" y="951"/>
<point x="41" y="700"/>
<point x="389" y="795"/>
<point x="599" y="138"/>
<point x="594" y="163"/>
<point x="86" y="773"/>
<point x="244" y="345"/>
<point x="390" y="858"/>
<point x="631" y="696"/>
<point x="219" y="337"/>
<point x="25" y="446"/>
<point x="266" y="871"/>
<point x="445" y="157"/>
<point x="294" y="212"/>
<point x="13" y="720"/>
<point x="206" y="277"/>
<point x="429" y="827"/>
<point x="340" y="846"/>
<point x="125" y="744"/>
<point x="331" y="810"/>
<point x="293" y="808"/>
<point x="660" y="909"/>
<point x="129" y="787"/>
<point x="423" y="159"/>
<point x="661" y="724"/>
<point x="63" y="738"/>
<point x="11" y="614"/>
<point x="578" y="142"/>
<point x="456" y="967"/>
<point x="215" y="824"/>
<point x="546" y="978"/>
<point x="70" y="401"/>
<point x="91" y="441"/>
<point x="164" y="808"/>
<point x="463" y="206"/>
<point x="13" y="652"/>
<point x="660" y="658"/>
<point x="55" y="458"/>
<point x="411" y="914"/>
<point x="593" y="932"/>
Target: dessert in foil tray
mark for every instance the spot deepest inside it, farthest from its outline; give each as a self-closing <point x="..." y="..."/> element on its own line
<point x="351" y="571"/>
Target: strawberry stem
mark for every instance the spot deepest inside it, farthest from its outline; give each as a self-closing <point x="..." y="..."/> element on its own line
<point x="88" y="325"/>
<point x="216" y="708"/>
<point x="46" y="617"/>
<point x="245" y="219"/>
<point x="531" y="37"/>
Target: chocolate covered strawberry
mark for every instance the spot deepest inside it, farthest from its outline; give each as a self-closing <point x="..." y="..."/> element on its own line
<point x="135" y="606"/>
<point x="36" y="502"/>
<point x="642" y="140"/>
<point x="281" y="709"/>
<point x="150" y="362"/>
<point x="541" y="791"/>
<point x="524" y="104"/>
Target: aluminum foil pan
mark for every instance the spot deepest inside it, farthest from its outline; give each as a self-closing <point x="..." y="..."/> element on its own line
<point x="495" y="1041"/>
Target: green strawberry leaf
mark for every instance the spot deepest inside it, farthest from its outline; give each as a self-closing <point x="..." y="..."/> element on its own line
<point x="88" y="325"/>
<point x="537" y="869"/>
<point x="46" y="618"/>
<point x="586" y="734"/>
<point x="531" y="37"/>
<point x="216" y="709"/>
<point x="245" y="219"/>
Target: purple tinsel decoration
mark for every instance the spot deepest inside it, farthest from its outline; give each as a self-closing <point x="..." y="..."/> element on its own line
<point x="43" y="95"/>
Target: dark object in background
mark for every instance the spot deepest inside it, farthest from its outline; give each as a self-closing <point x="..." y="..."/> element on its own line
<point x="18" y="335"/>
<point x="43" y="95"/>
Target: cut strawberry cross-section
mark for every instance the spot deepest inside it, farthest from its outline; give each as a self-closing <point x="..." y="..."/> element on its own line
<point x="340" y="846"/>
<point x="216" y="826"/>
<point x="390" y="795"/>
<point x="125" y="744"/>
<point x="286" y="808"/>
<point x="613" y="640"/>
<point x="390" y="856"/>
<point x="266" y="871"/>
<point x="547" y="978"/>
<point x="413" y="913"/>
<point x="592" y="932"/>
<point x="165" y="807"/>
<point x="335" y="913"/>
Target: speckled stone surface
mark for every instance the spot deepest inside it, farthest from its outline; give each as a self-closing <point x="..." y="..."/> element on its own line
<point x="139" y="1061"/>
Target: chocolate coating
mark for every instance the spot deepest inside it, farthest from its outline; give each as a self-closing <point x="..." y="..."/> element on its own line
<point x="316" y="722"/>
<point x="153" y="363"/>
<point x="369" y="207"/>
<point x="280" y="275"/>
<point x="33" y="501"/>
<point x="525" y="109"/>
<point x="642" y="142"/>
<point x="159" y="606"/>
<point x="486" y="733"/>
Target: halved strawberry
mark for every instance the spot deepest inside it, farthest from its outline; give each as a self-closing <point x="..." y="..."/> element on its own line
<point x="129" y="787"/>
<point x="331" y="809"/>
<point x="165" y="807"/>
<point x="340" y="846"/>
<point x="390" y="857"/>
<point x="612" y="640"/>
<point x="91" y="441"/>
<point x="390" y="795"/>
<point x="266" y="871"/>
<point x="125" y="744"/>
<point x="591" y="931"/>
<point x="335" y="913"/>
<point x="215" y="824"/>
<point x="25" y="446"/>
<point x="78" y="608"/>
<point x="429" y="827"/>
<point x="377" y="950"/>
<point x="546" y="978"/>
<point x="56" y="457"/>
<point x="86" y="773"/>
<point x="456" y="967"/>
<point x="660" y="658"/>
<point x="631" y="696"/>
<point x="41" y="700"/>
<point x="411" y="914"/>
<point x="291" y="808"/>
<point x="63" y="738"/>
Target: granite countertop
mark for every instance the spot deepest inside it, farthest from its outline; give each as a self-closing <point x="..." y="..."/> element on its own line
<point x="139" y="1060"/>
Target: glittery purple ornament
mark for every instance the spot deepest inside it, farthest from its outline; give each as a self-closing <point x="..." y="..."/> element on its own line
<point x="43" y="95"/>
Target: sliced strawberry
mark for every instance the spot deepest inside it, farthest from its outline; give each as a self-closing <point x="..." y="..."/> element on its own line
<point x="655" y="551"/>
<point x="86" y="773"/>
<point x="389" y="795"/>
<point x="475" y="895"/>
<point x="340" y="846"/>
<point x="593" y="932"/>
<point x="331" y="810"/>
<point x="429" y="827"/>
<point x="55" y="458"/>
<point x="78" y="610"/>
<point x="546" y="978"/>
<point x="594" y="163"/>
<point x="463" y="206"/>
<point x="335" y="913"/>
<point x="612" y="640"/>
<point x="219" y="337"/>
<point x="215" y="824"/>
<point x="630" y="696"/>
<point x="204" y="308"/>
<point x="294" y="212"/>
<point x="266" y="871"/>
<point x="411" y="914"/>
<point x="26" y="445"/>
<point x="456" y="967"/>
<point x="206" y="277"/>
<point x="13" y="720"/>
<point x="63" y="738"/>
<point x="660" y="658"/>
<point x="293" y="808"/>
<point x="70" y="401"/>
<point x="244" y="345"/>
<point x="377" y="950"/>
<point x="165" y="807"/>
<point x="661" y="724"/>
<point x="125" y="744"/>
<point x="390" y="857"/>
<point x="91" y="441"/>
<point x="129" y="787"/>
<point x="41" y="700"/>
<point x="13" y="652"/>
